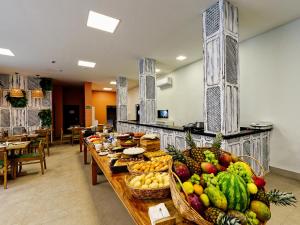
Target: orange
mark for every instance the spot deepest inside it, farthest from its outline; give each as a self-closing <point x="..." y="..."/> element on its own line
<point x="198" y="189"/>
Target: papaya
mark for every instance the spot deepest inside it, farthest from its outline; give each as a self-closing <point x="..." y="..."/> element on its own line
<point x="216" y="197"/>
<point x="262" y="211"/>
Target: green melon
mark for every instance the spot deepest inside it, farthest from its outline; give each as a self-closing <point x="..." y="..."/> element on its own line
<point x="235" y="190"/>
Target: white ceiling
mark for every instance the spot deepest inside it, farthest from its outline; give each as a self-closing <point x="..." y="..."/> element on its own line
<point x="41" y="31"/>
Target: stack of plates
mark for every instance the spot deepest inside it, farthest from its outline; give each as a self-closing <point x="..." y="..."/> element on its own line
<point x="262" y="125"/>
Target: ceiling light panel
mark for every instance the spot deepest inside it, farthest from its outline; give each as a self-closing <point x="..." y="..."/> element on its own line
<point x="157" y="70"/>
<point x="113" y="82"/>
<point x="107" y="89"/>
<point x="5" y="51"/>
<point x="102" y="22"/>
<point x="181" y="57"/>
<point x="86" y="64"/>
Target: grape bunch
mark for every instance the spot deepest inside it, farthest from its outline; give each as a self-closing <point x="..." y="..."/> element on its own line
<point x="251" y="218"/>
<point x="210" y="157"/>
<point x="210" y="179"/>
<point x="241" y="171"/>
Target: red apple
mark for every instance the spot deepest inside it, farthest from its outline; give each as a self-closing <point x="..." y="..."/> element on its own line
<point x="259" y="181"/>
<point x="225" y="159"/>
<point x="208" y="168"/>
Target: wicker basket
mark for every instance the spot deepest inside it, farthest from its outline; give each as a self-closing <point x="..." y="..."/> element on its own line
<point x="137" y="173"/>
<point x="182" y="205"/>
<point x="151" y="193"/>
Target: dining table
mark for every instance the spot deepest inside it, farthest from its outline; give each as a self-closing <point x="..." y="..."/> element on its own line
<point x="11" y="148"/>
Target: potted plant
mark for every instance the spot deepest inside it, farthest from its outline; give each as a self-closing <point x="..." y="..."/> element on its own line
<point x="45" y="116"/>
<point x="46" y="84"/>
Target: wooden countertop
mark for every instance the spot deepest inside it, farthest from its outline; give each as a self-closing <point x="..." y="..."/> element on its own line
<point x="138" y="209"/>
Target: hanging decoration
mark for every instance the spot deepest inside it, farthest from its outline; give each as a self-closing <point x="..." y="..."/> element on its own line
<point x="17" y="99"/>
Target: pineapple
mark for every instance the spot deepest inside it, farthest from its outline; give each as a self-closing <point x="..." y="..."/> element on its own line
<point x="218" y="217"/>
<point x="189" y="140"/>
<point x="281" y="198"/>
<point x="262" y="196"/>
<point x="198" y="153"/>
<point x="176" y="154"/>
<point x="193" y="166"/>
<point x="213" y="214"/>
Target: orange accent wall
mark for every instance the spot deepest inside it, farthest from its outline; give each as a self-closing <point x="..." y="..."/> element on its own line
<point x="102" y="99"/>
<point x="88" y="102"/>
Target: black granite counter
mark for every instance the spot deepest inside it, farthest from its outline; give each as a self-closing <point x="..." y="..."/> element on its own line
<point x="243" y="132"/>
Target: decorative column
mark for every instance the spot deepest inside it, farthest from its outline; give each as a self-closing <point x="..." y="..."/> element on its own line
<point x="122" y="90"/>
<point x="221" y="69"/>
<point x="147" y="86"/>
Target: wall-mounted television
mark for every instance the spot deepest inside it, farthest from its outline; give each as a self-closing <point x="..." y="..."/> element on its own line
<point x="162" y="113"/>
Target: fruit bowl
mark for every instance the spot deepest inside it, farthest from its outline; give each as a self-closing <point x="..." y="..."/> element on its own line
<point x="179" y="199"/>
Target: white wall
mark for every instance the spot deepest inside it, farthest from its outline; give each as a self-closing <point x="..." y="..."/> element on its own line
<point x="133" y="99"/>
<point x="184" y="99"/>
<point x="270" y="91"/>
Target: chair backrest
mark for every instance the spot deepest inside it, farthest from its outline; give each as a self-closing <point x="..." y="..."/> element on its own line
<point x="41" y="148"/>
<point x="3" y="156"/>
<point x="14" y="138"/>
<point x="76" y="130"/>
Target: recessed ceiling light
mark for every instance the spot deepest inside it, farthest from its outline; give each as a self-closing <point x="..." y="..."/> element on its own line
<point x="86" y="64"/>
<point x="113" y="82"/>
<point x="102" y="22"/>
<point x="5" y="51"/>
<point x="157" y="70"/>
<point x="107" y="89"/>
<point x="181" y="57"/>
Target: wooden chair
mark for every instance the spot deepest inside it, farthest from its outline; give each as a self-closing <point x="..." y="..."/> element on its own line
<point x="76" y="134"/>
<point x="32" y="158"/>
<point x="44" y="135"/>
<point x="65" y="137"/>
<point x="14" y="138"/>
<point x="4" y="166"/>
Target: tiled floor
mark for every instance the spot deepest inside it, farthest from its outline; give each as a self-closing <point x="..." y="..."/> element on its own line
<point x="64" y="195"/>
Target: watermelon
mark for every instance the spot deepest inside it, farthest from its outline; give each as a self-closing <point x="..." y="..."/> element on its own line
<point x="235" y="190"/>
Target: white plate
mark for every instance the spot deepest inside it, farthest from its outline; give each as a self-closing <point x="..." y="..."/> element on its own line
<point x="103" y="153"/>
<point x="133" y="151"/>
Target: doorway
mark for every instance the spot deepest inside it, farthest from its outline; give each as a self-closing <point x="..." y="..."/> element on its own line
<point x="111" y="115"/>
<point x="71" y="116"/>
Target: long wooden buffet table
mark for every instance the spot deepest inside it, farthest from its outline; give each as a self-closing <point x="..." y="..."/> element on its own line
<point x="138" y="209"/>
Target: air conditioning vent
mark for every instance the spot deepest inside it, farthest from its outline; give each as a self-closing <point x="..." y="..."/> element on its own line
<point x="164" y="82"/>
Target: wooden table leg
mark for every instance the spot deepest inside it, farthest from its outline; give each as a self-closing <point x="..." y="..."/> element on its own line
<point x="80" y="144"/>
<point x="85" y="154"/>
<point x="94" y="172"/>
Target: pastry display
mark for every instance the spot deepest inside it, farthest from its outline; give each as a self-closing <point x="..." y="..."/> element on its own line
<point x="150" y="181"/>
<point x="149" y="166"/>
<point x="127" y="161"/>
<point x="164" y="158"/>
<point x="133" y="151"/>
<point x="154" y="154"/>
<point x="150" y="136"/>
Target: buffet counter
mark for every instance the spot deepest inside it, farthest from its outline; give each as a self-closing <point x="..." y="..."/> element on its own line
<point x="251" y="142"/>
<point x="138" y="209"/>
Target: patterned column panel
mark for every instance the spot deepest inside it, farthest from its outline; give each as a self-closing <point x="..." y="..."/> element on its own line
<point x="122" y="92"/>
<point x="147" y="92"/>
<point x="221" y="79"/>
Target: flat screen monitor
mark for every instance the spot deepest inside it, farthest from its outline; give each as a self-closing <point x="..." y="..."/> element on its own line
<point x="162" y="113"/>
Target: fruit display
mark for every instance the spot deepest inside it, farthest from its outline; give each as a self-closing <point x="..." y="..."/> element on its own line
<point x="148" y="166"/>
<point x="220" y="187"/>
